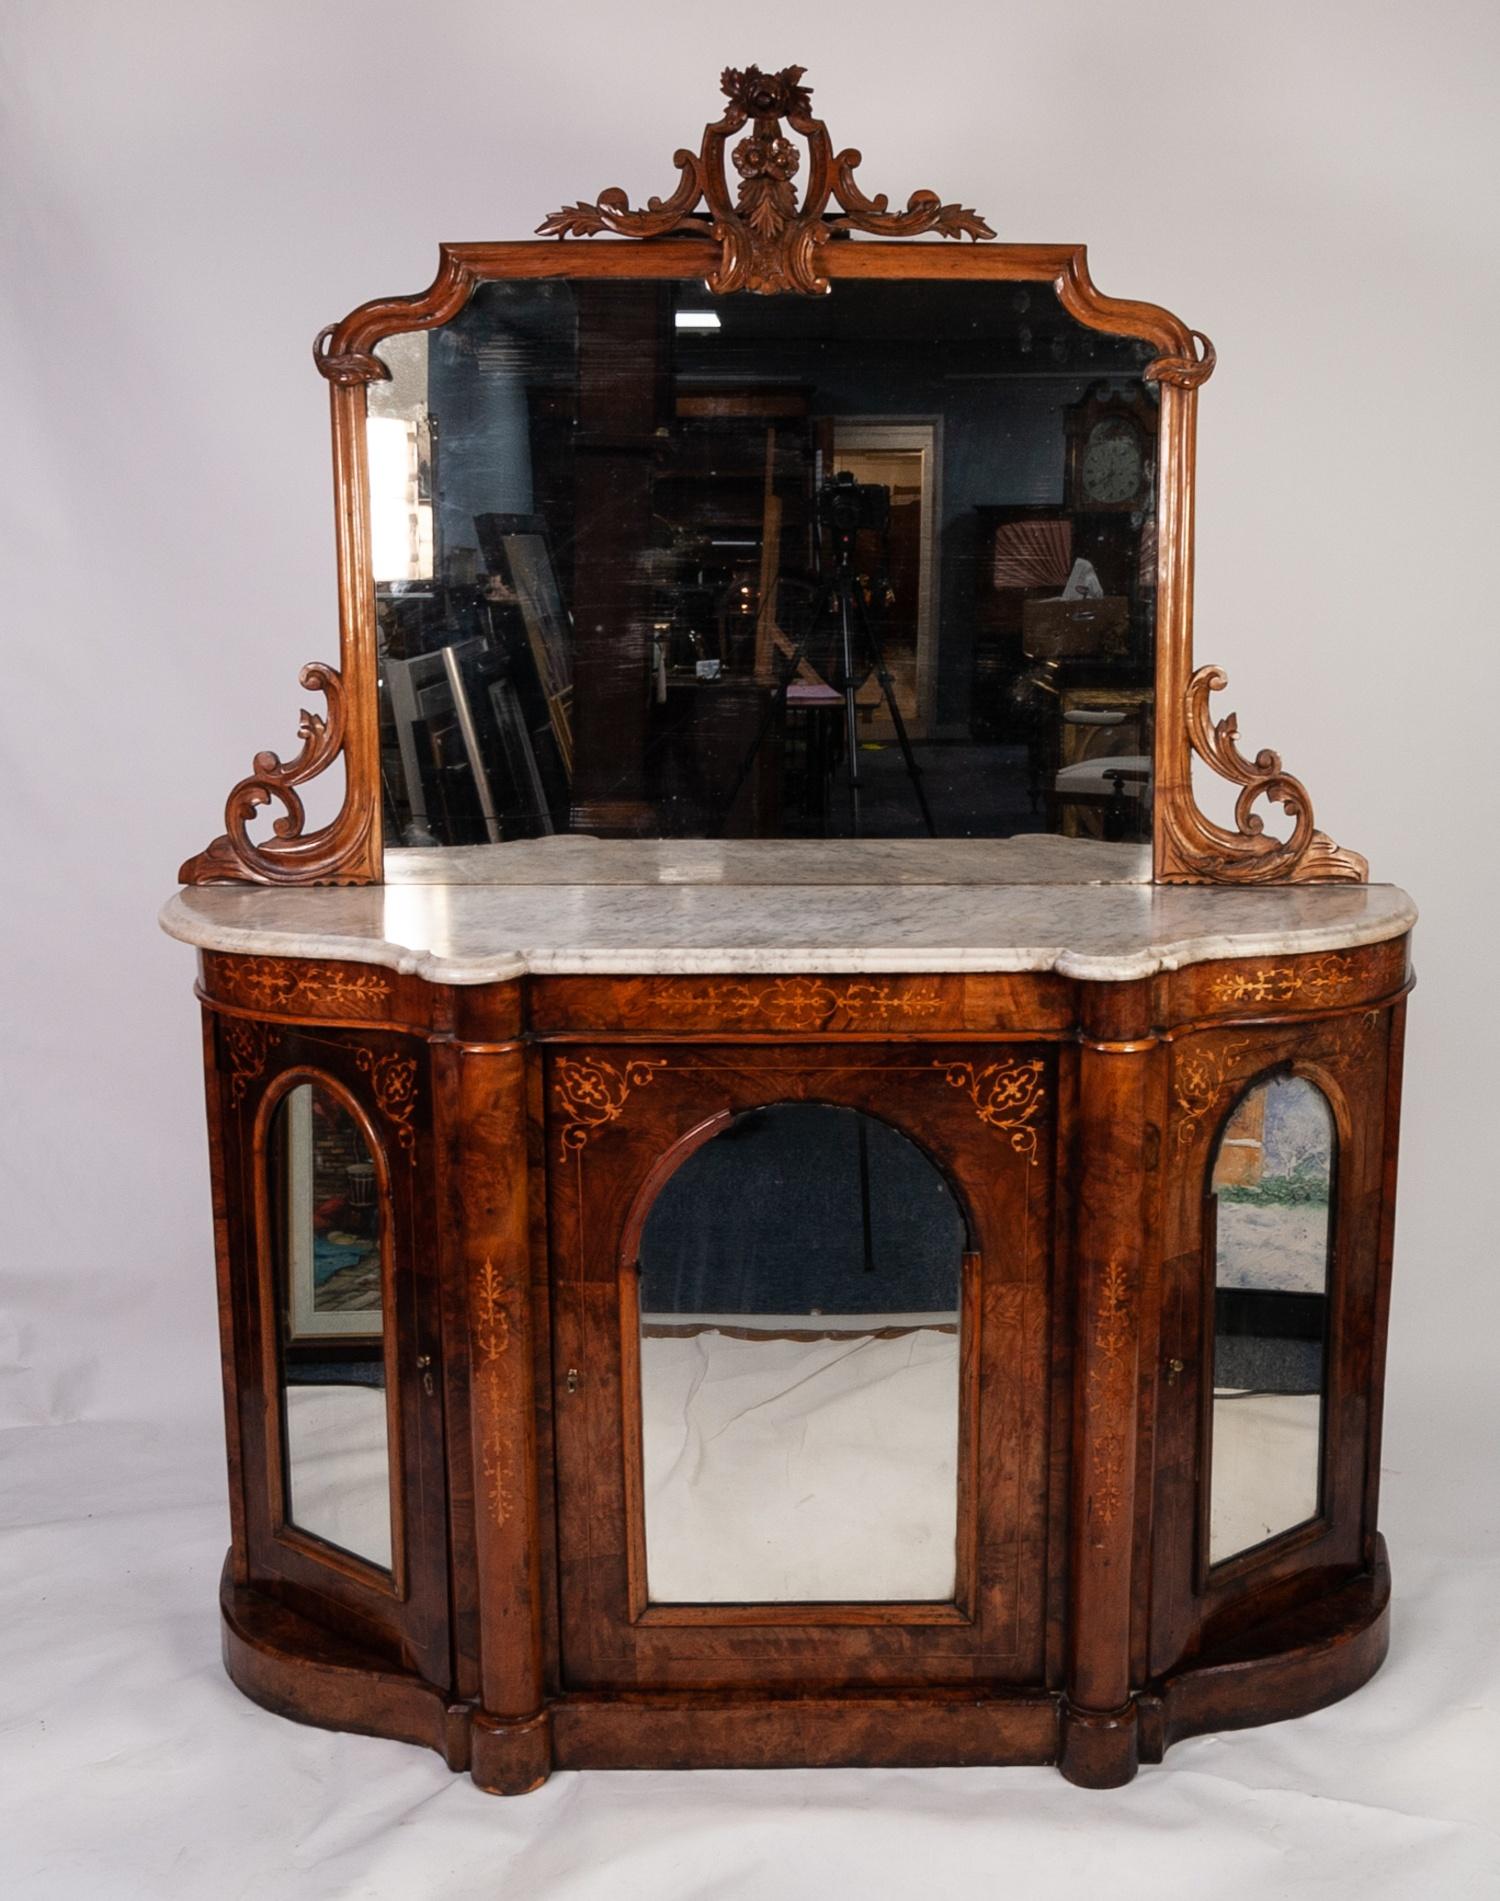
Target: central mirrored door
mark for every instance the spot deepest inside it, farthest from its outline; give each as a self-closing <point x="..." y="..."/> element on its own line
<point x="783" y="1277"/>
<point x="799" y="1295"/>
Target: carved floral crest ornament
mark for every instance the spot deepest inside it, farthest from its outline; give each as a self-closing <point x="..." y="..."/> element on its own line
<point x="769" y="242"/>
<point x="756" y="208"/>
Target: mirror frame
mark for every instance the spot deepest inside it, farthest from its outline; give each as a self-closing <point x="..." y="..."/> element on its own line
<point x="763" y="240"/>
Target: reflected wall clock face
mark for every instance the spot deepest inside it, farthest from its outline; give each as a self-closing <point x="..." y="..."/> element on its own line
<point x="1112" y="463"/>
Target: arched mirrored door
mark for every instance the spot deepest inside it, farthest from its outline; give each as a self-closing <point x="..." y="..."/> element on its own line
<point x="330" y="1251"/>
<point x="1272" y="1242"/>
<point x="339" y="1368"/>
<point x="783" y="1275"/>
<point x="799" y="1295"/>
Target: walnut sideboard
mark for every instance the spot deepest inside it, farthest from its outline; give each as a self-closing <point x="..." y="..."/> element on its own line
<point x="526" y="1072"/>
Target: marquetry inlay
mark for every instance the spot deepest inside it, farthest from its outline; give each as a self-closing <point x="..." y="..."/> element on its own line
<point x="591" y="1093"/>
<point x="1009" y="1096"/>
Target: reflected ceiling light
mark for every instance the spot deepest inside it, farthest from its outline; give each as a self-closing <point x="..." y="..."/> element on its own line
<point x="696" y="319"/>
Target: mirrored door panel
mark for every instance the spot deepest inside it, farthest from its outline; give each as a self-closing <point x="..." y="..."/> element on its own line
<point x="330" y="1246"/>
<point x="799" y="1335"/>
<point x="1272" y="1190"/>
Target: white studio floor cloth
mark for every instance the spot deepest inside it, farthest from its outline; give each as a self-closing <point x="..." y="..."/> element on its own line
<point x="785" y="1468"/>
<point x="132" y="1770"/>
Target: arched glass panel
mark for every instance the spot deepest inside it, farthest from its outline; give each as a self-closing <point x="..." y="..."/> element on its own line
<point x="1272" y="1190"/>
<point x="800" y="1282"/>
<point x="330" y="1322"/>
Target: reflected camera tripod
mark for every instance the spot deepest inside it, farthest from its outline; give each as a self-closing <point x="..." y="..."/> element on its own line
<point x="844" y="508"/>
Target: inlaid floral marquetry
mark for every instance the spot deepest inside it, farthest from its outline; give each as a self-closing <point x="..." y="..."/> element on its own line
<point x="1198" y="1077"/>
<point x="247" y="1045"/>
<point x="1109" y="1394"/>
<point x="394" y="1080"/>
<point x="804" y="1003"/>
<point x="1317" y="981"/>
<point x="591" y="1093"/>
<point x="491" y="1332"/>
<point x="299" y="987"/>
<point x="1009" y="1096"/>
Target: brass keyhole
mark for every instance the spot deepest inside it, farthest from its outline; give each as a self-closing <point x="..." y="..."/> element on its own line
<point x="424" y="1367"/>
<point x="571" y="1382"/>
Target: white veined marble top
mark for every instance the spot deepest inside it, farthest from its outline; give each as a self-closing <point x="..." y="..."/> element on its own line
<point x="956" y="905"/>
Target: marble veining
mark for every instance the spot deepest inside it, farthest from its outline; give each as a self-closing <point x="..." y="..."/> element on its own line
<point x="485" y="933"/>
<point x="571" y="858"/>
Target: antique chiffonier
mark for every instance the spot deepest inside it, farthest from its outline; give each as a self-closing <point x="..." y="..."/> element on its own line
<point x="782" y="1194"/>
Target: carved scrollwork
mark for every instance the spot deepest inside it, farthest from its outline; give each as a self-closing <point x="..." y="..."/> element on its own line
<point x="290" y="855"/>
<point x="1197" y="848"/>
<point x="1007" y="1096"/>
<point x="1184" y="372"/>
<point x="767" y="241"/>
<point x="347" y="367"/>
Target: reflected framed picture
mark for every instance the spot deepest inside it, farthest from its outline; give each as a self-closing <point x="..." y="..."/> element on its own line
<point x="332" y="1224"/>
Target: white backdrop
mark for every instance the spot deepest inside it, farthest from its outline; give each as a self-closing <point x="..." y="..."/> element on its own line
<point x="191" y="191"/>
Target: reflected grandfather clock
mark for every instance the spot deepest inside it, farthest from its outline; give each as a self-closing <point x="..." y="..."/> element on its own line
<point x="1111" y="439"/>
<point x="711" y="1303"/>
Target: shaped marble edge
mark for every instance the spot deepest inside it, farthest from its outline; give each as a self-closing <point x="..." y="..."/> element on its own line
<point x="470" y="934"/>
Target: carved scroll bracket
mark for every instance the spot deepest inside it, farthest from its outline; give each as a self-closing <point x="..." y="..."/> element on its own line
<point x="768" y="242"/>
<point x="1184" y="372"/>
<point x="336" y="853"/>
<point x="1193" y="847"/>
<point x="347" y="367"/>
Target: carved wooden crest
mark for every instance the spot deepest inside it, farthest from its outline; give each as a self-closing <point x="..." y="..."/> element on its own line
<point x="768" y="241"/>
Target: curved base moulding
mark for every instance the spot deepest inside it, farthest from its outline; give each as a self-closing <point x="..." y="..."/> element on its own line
<point x="298" y="1669"/>
<point x="1291" y="1667"/>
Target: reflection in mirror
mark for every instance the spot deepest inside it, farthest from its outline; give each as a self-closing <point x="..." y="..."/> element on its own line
<point x="799" y="1366"/>
<point x="653" y="563"/>
<point x="330" y="1324"/>
<point x="1272" y="1189"/>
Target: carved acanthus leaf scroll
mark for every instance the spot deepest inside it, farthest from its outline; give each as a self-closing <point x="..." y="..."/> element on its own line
<point x="1197" y="848"/>
<point x="290" y="855"/>
<point x="768" y="242"/>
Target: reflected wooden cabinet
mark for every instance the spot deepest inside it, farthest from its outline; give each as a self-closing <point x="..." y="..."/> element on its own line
<point x="804" y="1369"/>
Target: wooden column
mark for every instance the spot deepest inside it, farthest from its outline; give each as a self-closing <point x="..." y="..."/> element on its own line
<point x="511" y="1738"/>
<point x="1100" y="1745"/>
